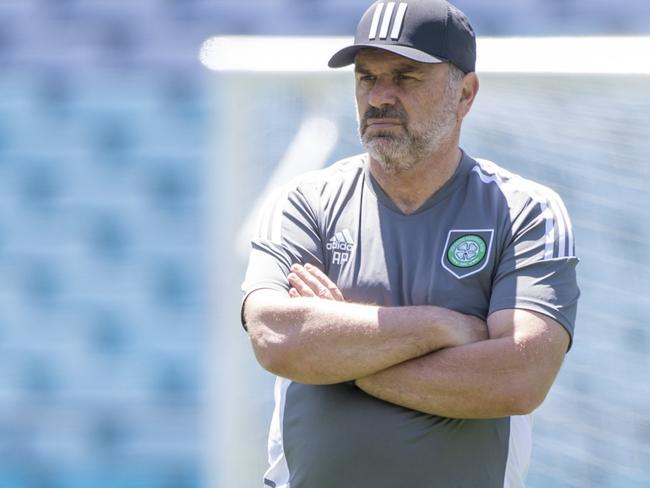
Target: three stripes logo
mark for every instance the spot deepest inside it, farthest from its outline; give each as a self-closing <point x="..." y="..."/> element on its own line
<point x="341" y="245"/>
<point x="389" y="22"/>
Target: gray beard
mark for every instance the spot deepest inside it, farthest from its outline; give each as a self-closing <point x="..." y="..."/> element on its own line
<point x="396" y="153"/>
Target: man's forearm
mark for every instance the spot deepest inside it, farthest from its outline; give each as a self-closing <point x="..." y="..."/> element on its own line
<point x="495" y="378"/>
<point x="321" y="341"/>
<point x="460" y="382"/>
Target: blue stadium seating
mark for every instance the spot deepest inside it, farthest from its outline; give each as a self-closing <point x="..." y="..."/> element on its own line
<point x="103" y="130"/>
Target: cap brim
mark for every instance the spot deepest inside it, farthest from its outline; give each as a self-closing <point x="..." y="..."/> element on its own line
<point x="346" y="56"/>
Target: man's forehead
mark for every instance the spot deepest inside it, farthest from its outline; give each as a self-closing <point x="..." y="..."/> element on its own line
<point x="367" y="58"/>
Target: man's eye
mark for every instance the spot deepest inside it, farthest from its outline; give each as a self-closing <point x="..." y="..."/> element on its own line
<point x="404" y="77"/>
<point x="367" y="78"/>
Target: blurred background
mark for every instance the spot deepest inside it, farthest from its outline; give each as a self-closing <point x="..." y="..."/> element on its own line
<point x="122" y="361"/>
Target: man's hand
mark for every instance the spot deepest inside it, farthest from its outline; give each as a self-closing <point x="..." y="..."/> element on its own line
<point x="309" y="281"/>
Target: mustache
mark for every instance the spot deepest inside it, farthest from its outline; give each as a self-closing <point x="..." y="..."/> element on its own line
<point x="383" y="113"/>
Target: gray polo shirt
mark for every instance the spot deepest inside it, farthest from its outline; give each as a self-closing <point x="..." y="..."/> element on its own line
<point x="487" y="240"/>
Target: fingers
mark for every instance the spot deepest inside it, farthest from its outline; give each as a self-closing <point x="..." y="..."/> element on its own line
<point x="301" y="287"/>
<point x="309" y="281"/>
<point x="326" y="282"/>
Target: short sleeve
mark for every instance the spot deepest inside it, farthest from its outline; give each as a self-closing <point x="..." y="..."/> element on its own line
<point x="288" y="233"/>
<point x="536" y="270"/>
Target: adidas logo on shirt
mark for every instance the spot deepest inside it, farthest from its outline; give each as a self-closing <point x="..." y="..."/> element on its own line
<point x="341" y="244"/>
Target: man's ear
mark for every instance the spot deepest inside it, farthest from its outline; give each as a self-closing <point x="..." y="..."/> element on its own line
<point x="468" y="92"/>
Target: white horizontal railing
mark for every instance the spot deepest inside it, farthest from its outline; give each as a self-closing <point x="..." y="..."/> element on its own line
<point x="573" y="55"/>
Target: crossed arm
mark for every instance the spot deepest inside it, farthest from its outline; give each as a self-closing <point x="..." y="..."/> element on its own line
<point x="426" y="358"/>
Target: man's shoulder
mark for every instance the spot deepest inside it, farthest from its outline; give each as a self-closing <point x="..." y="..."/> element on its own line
<point x="344" y="172"/>
<point x="514" y="188"/>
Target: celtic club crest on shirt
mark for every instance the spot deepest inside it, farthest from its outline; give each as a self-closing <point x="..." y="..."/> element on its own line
<point x="467" y="251"/>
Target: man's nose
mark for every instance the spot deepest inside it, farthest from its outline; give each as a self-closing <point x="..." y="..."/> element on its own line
<point x="382" y="93"/>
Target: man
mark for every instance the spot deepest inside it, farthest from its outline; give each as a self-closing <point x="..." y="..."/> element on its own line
<point x="415" y="303"/>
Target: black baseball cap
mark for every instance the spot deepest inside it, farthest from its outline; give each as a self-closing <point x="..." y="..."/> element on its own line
<point x="428" y="31"/>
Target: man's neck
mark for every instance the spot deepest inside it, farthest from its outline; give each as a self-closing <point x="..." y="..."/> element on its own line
<point x="411" y="188"/>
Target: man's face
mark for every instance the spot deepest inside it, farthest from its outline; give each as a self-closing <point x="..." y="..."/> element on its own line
<point x="407" y="110"/>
